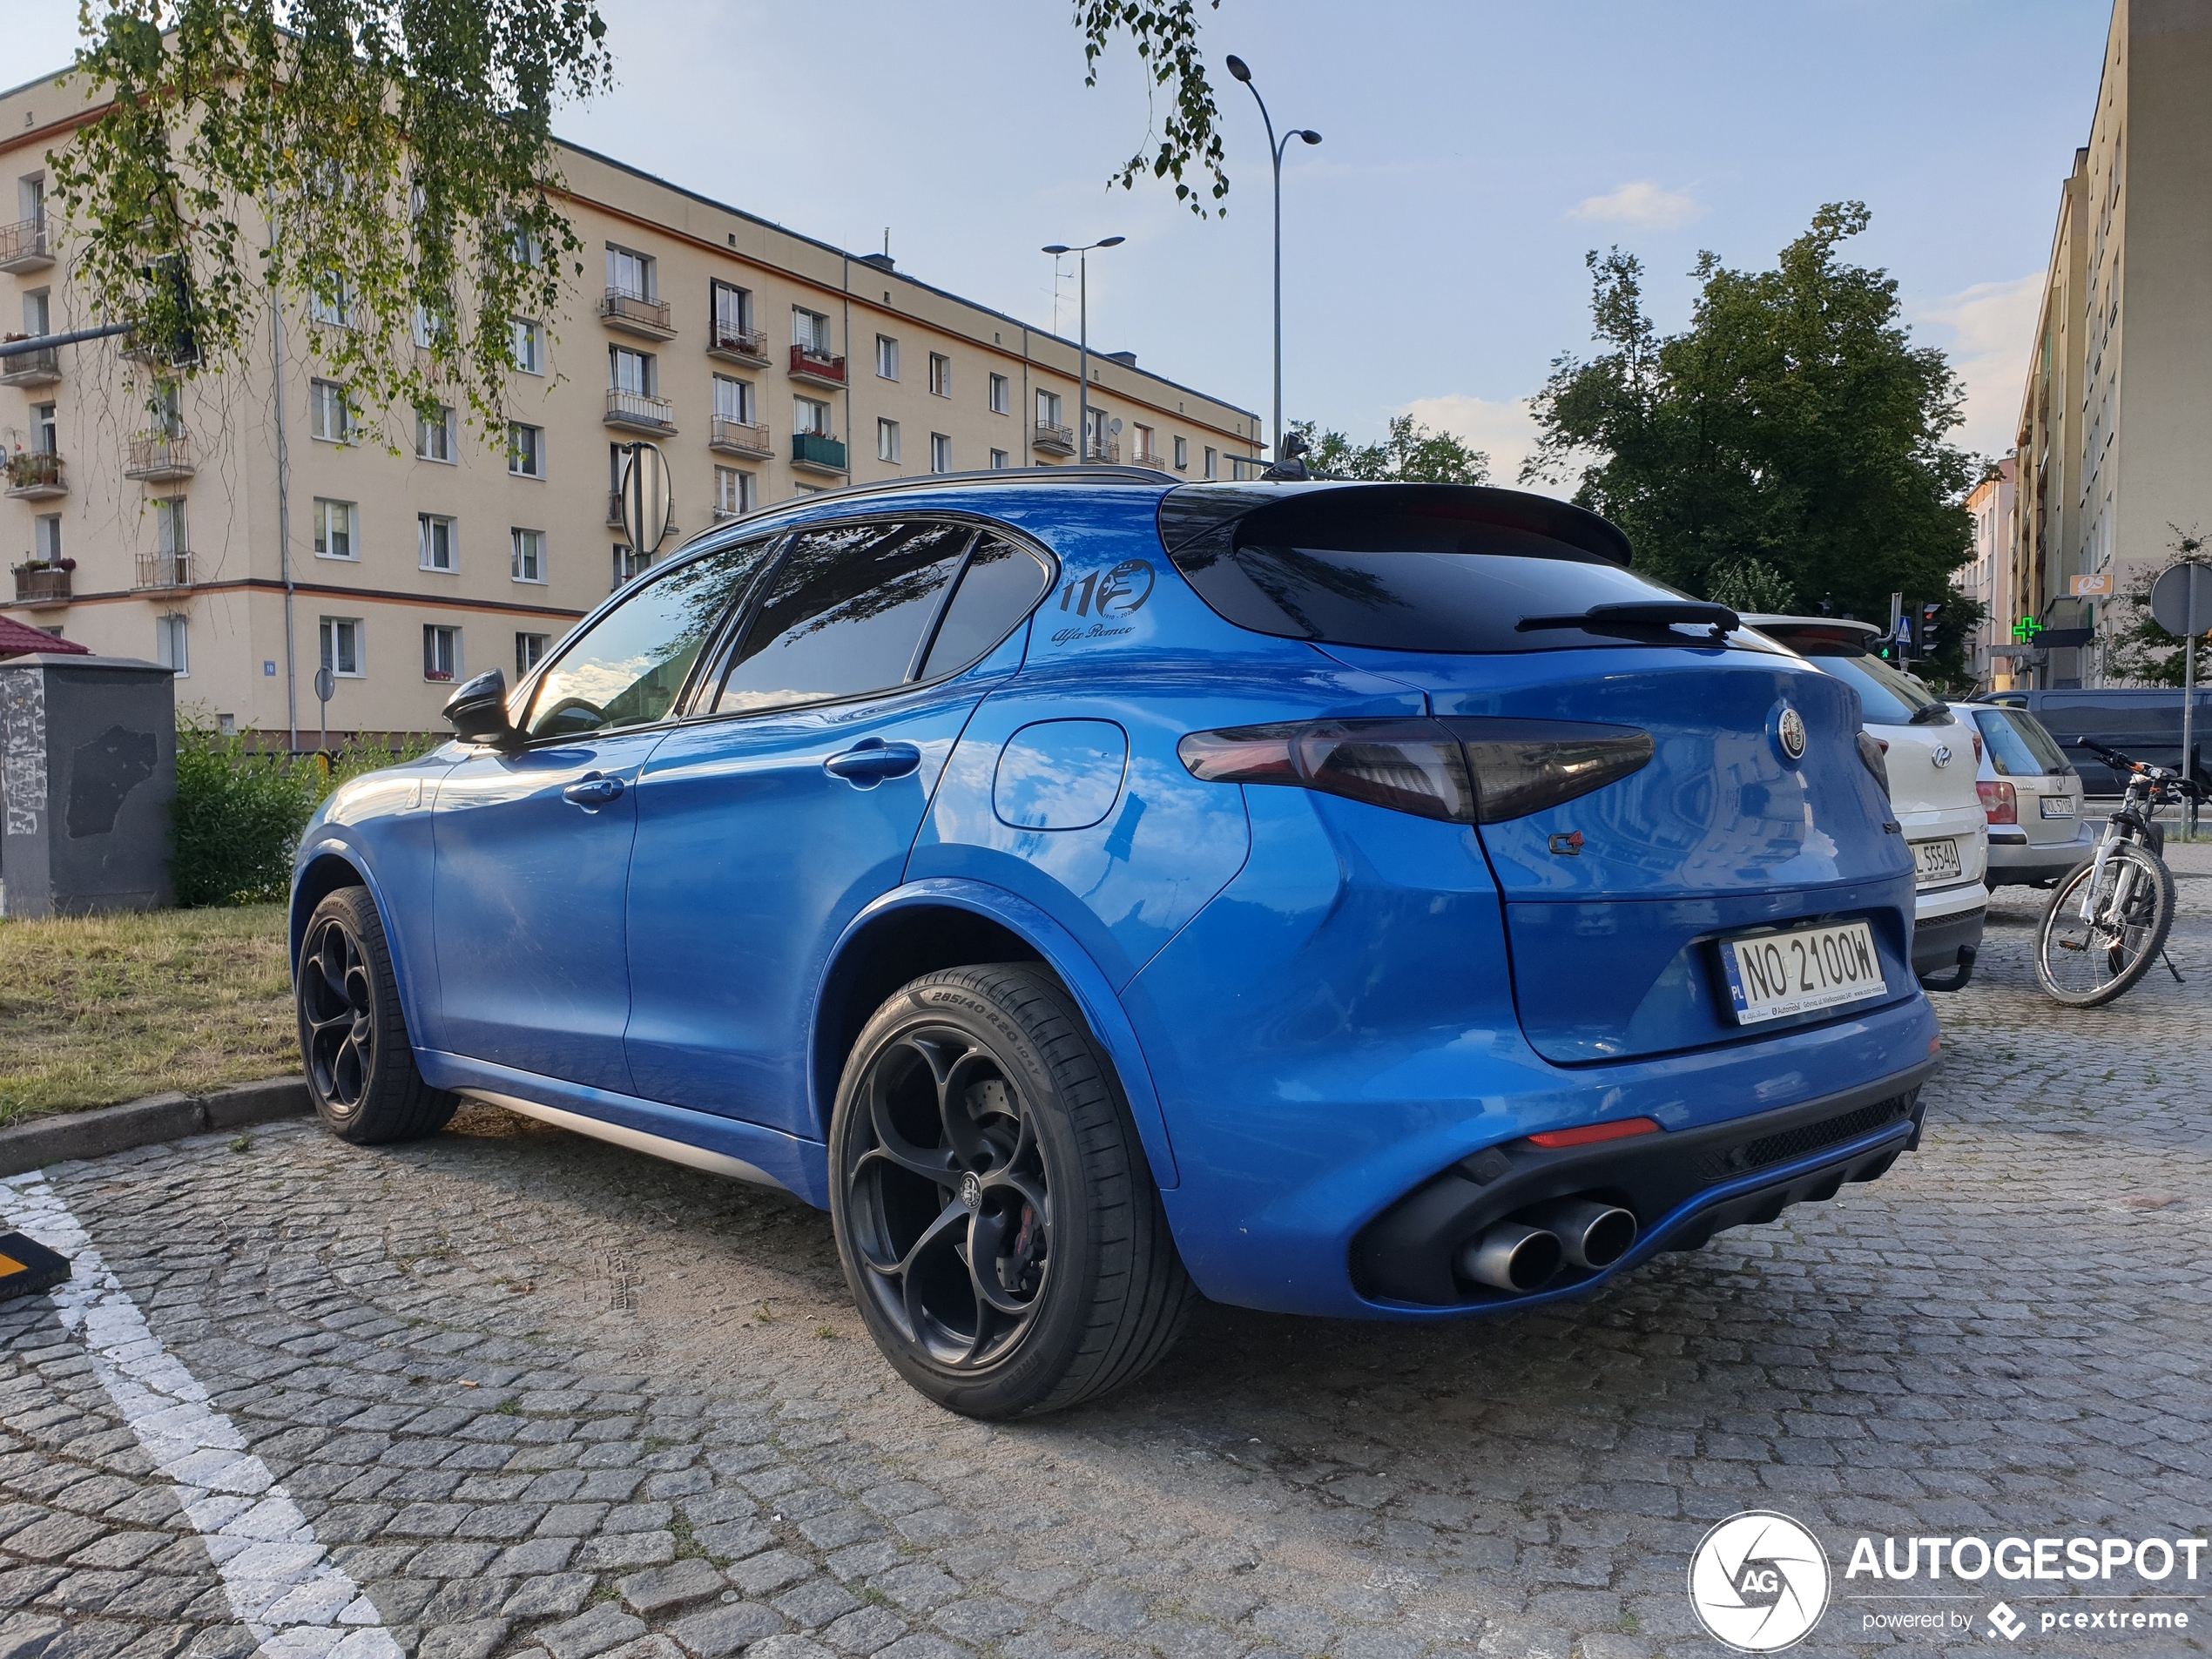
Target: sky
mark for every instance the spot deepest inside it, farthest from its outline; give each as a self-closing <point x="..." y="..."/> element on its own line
<point x="1473" y="150"/>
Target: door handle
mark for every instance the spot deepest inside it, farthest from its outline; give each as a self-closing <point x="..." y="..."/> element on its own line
<point x="870" y="761"/>
<point x="593" y="789"/>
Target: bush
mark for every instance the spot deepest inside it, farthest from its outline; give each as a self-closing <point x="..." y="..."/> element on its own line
<point x="239" y="811"/>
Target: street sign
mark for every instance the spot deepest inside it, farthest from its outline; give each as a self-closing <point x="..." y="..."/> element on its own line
<point x="326" y="684"/>
<point x="2090" y="587"/>
<point x="644" y="499"/>
<point x="2181" y="598"/>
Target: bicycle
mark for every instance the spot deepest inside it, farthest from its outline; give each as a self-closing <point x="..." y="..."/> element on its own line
<point x="2108" y="920"/>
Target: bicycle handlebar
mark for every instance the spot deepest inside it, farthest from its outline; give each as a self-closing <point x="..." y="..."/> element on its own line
<point x="2159" y="776"/>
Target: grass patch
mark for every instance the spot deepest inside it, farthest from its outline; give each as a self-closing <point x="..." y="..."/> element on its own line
<point x="97" y="1009"/>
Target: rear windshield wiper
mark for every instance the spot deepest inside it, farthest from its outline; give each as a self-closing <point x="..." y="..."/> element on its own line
<point x="1933" y="714"/>
<point x="1639" y="616"/>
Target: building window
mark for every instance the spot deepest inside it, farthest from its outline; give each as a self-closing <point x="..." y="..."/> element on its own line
<point x="441" y="652"/>
<point x="1047" y="409"/>
<point x="1002" y="395"/>
<point x="887" y="439"/>
<point x="810" y="416"/>
<point x="940" y="452"/>
<point x="940" y="375"/>
<point x="329" y="416"/>
<point x="46" y="428"/>
<point x="434" y="434"/>
<point x="732" y="400"/>
<point x="735" y="492"/>
<point x="170" y="536"/>
<point x="999" y="461"/>
<point x="37" y="312"/>
<point x="1183" y="455"/>
<point x="435" y="537"/>
<point x="732" y="317"/>
<point x="172" y="644"/>
<point x="887" y="357"/>
<point x="1143" y="445"/>
<point x="630" y="371"/>
<point x="528" y="345"/>
<point x="529" y="651"/>
<point x="525" y="450"/>
<point x="342" y="646"/>
<point x="1209" y="461"/>
<point x="432" y="327"/>
<point x="527" y="555"/>
<point x="810" y="332"/>
<point x="629" y="273"/>
<point x="630" y="565"/>
<point x="332" y="301"/>
<point x="46" y="537"/>
<point x="335" y="531"/>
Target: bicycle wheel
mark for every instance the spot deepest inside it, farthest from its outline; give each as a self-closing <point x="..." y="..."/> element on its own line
<point x="2086" y="964"/>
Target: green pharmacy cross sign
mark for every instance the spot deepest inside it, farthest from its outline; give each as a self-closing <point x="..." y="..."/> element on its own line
<point x="2025" y="629"/>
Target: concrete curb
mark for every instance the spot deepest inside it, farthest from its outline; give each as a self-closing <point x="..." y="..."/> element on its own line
<point x="145" y="1123"/>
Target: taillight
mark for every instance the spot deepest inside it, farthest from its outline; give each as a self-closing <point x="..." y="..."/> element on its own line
<point x="1998" y="800"/>
<point x="1873" y="755"/>
<point x="1461" y="771"/>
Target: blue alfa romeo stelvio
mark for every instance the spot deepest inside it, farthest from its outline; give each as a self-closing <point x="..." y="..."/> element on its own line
<point x="1099" y="892"/>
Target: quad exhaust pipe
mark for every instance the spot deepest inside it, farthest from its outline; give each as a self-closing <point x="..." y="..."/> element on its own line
<point x="1522" y="1254"/>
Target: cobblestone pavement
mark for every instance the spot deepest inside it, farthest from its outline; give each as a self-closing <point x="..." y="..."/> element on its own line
<point x="541" y="1396"/>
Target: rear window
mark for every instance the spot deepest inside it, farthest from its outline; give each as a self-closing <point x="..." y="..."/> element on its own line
<point x="1886" y="697"/>
<point x="2153" y="718"/>
<point x="1414" y="568"/>
<point x="2018" y="747"/>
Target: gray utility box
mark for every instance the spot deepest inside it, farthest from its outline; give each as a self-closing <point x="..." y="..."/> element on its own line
<point x="88" y="770"/>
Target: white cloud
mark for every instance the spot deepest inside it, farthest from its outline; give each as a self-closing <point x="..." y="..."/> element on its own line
<point x="1643" y="204"/>
<point x="1505" y="430"/>
<point x="1992" y="327"/>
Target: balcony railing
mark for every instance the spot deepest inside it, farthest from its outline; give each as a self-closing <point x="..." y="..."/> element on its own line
<point x="162" y="572"/>
<point x="636" y="409"/>
<point x="1105" y="452"/>
<point x="41" y="367"/>
<point x="1053" y="440"/>
<point x="159" y="457"/>
<point x="816" y="452"/>
<point x="35" y="475"/>
<point x="740" y="438"/>
<point x="1149" y="458"/>
<point x="23" y="245"/>
<point x="41" y="584"/>
<point x="820" y="367"/>
<point x="738" y="344"/>
<point x="635" y="313"/>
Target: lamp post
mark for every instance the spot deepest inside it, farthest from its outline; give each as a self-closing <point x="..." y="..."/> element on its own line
<point x="1082" y="336"/>
<point x="1242" y="72"/>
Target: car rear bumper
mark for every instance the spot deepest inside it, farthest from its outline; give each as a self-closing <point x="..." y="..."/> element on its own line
<point x="2013" y="859"/>
<point x="1938" y="940"/>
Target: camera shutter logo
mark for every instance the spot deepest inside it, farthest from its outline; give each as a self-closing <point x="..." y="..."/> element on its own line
<point x="1758" y="1582"/>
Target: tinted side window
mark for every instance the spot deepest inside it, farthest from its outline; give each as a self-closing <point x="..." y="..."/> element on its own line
<point x="627" y="668"/>
<point x="1002" y="583"/>
<point x="844" y="613"/>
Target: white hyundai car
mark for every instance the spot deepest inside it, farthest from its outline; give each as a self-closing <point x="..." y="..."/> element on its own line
<point x="1934" y="758"/>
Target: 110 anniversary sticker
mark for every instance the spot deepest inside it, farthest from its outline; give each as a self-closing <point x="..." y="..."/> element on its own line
<point x="1761" y="1581"/>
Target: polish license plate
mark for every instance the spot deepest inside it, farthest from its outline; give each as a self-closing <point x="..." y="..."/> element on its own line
<point x="1934" y="861"/>
<point x="2057" y="806"/>
<point x="1773" y="974"/>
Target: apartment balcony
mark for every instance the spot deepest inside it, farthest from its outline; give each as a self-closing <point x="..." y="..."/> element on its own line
<point x="159" y="458"/>
<point x="34" y="475"/>
<point x="42" y="368"/>
<point x="24" y="247"/>
<point x="633" y="314"/>
<point x="815" y="452"/>
<point x="160" y="573"/>
<point x="614" y="512"/>
<point x="1148" y="458"/>
<point x="1053" y="440"/>
<point x="747" y="346"/>
<point x="1104" y="452"/>
<point x="741" y="438"/>
<point x="817" y="369"/>
<point x="635" y="412"/>
<point x="41" y="586"/>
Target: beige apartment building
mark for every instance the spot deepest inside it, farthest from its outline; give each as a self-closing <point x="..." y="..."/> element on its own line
<point x="1987" y="577"/>
<point x="242" y="529"/>
<point x="2115" y="429"/>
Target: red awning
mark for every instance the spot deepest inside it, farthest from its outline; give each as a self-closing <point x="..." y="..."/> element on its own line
<point x="17" y="640"/>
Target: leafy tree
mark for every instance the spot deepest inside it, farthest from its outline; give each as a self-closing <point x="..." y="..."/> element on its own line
<point x="1792" y="426"/>
<point x="1165" y="35"/>
<point x="1411" y="454"/>
<point x="2140" y="652"/>
<point x="1752" y="587"/>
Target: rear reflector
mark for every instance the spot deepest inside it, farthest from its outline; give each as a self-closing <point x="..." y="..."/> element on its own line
<point x="1460" y="771"/>
<point x="1583" y="1136"/>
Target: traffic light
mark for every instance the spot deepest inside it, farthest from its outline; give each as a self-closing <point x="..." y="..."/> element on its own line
<point x="1928" y="615"/>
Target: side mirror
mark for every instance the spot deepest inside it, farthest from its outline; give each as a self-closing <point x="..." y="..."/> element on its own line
<point x="477" y="711"/>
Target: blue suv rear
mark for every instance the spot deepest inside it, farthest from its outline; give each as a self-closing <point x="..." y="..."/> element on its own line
<point x="1367" y="901"/>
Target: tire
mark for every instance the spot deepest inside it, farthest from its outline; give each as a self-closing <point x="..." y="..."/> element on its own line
<point x="977" y="1121"/>
<point x="353" y="1036"/>
<point x="2085" y="968"/>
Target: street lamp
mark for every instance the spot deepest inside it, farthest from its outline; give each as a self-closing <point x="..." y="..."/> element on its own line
<point x="1082" y="331"/>
<point x="1242" y="72"/>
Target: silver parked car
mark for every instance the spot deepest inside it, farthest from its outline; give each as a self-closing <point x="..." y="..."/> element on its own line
<point x="2038" y="830"/>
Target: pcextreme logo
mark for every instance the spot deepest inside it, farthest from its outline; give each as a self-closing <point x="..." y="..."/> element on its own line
<point x="1758" y="1582"/>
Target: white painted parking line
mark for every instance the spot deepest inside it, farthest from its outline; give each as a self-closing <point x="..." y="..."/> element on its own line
<point x="280" y="1582"/>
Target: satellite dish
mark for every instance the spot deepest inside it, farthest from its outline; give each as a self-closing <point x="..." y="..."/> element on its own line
<point x="1114" y="426"/>
<point x="645" y="499"/>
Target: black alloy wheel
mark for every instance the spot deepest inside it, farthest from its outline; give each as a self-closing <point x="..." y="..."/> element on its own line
<point x="353" y="1043"/>
<point x="337" y="1015"/>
